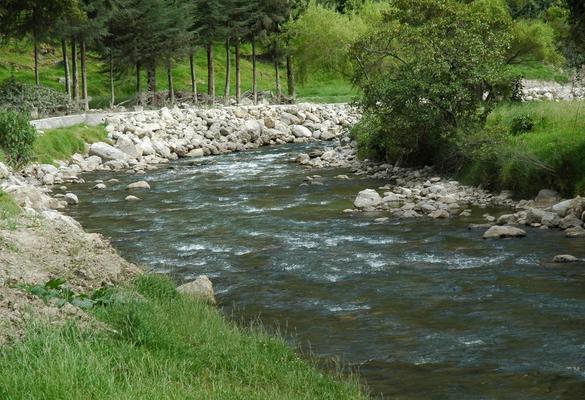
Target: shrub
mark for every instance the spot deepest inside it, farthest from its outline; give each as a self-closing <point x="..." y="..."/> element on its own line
<point x="34" y="100"/>
<point x="17" y="137"/>
<point x="521" y="124"/>
<point x="424" y="72"/>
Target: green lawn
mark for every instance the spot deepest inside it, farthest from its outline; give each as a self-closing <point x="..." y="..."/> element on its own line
<point x="62" y="143"/>
<point x="550" y="155"/>
<point x="161" y="345"/>
<point x="17" y="59"/>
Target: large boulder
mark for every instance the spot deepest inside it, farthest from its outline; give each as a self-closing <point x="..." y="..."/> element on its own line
<point x="107" y="152"/>
<point x="576" y="232"/>
<point x="200" y="288"/>
<point x="563" y="207"/>
<point x="565" y="259"/>
<point x="368" y="198"/>
<point x="301" y="131"/>
<point x="547" y="198"/>
<point x="127" y="146"/>
<point x="499" y="232"/>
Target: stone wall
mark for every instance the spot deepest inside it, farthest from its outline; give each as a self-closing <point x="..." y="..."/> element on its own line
<point x="552" y="91"/>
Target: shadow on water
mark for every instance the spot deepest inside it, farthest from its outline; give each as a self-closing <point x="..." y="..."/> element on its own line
<point x="424" y="309"/>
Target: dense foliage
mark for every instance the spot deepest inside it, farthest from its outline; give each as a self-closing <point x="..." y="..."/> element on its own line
<point x="432" y="71"/>
<point x="17" y="137"/>
<point x="36" y="101"/>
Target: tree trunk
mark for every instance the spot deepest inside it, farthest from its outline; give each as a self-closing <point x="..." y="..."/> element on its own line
<point x="171" y="86"/>
<point x="138" y="85"/>
<point x="84" y="75"/>
<point x="290" y="74"/>
<point x="74" y="73"/>
<point x="228" y="72"/>
<point x="151" y="79"/>
<point x="254" y="83"/>
<point x="36" y="55"/>
<point x="277" y="80"/>
<point x="66" y="67"/>
<point x="193" y="77"/>
<point x="238" y="73"/>
<point x="210" y="74"/>
<point x="112" y="89"/>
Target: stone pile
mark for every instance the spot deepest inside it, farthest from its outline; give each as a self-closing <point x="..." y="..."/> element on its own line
<point x="552" y="91"/>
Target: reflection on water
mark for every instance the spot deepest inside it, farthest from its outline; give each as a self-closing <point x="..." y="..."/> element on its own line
<point x="424" y="309"/>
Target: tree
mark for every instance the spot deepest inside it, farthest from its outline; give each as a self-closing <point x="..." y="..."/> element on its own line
<point x="34" y="18"/>
<point x="577" y="20"/>
<point x="211" y="17"/>
<point x="430" y="73"/>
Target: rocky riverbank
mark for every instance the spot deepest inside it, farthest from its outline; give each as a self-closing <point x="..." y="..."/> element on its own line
<point x="414" y="193"/>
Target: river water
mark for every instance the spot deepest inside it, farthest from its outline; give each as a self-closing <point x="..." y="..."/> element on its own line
<point x="422" y="309"/>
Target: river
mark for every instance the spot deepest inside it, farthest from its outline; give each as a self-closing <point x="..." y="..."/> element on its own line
<point x="421" y="308"/>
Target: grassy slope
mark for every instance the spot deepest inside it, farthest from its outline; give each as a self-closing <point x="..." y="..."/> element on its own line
<point x="552" y="155"/>
<point x="62" y="143"/>
<point x="162" y="346"/>
<point x="16" y="59"/>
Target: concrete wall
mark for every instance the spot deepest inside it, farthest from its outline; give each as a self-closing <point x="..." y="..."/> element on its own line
<point x="91" y="119"/>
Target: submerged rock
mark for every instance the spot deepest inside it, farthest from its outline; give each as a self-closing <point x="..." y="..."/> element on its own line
<point x="498" y="232"/>
<point x="565" y="258"/>
<point x="71" y="199"/>
<point x="368" y="198"/>
<point x="139" y="185"/>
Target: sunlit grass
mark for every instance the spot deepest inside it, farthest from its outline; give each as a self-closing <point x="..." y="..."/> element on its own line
<point x="162" y="346"/>
<point x="62" y="143"/>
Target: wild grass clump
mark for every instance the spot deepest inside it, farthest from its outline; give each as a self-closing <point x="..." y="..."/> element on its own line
<point x="161" y="345"/>
<point x="62" y="143"/>
<point x="17" y="137"/>
<point x="532" y="146"/>
<point x="8" y="207"/>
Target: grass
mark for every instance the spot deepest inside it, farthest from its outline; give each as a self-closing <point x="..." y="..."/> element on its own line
<point x="16" y="60"/>
<point x="550" y="155"/>
<point x="8" y="207"/>
<point x="535" y="70"/>
<point x="62" y="143"/>
<point x="162" y="345"/>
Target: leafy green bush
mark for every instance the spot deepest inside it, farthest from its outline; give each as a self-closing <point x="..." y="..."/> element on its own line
<point x="17" y="137"/>
<point x="37" y="101"/>
<point x="55" y="289"/>
<point x="425" y="71"/>
<point x="521" y="124"/>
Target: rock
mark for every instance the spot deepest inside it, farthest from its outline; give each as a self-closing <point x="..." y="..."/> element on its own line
<point x="547" y="198"/>
<point x="562" y="208"/>
<point x="380" y="220"/>
<point x="200" y="288"/>
<point x="301" y="131"/>
<point x="570" y="221"/>
<point x="368" y="198"/>
<point x="71" y="199"/>
<point x="196" y="153"/>
<point x="577" y="206"/>
<point x="550" y="219"/>
<point x="107" y="152"/>
<point x="565" y="258"/>
<point x="132" y="198"/>
<point x="139" y="185"/>
<point x="342" y="177"/>
<point x="439" y="214"/>
<point x="489" y="218"/>
<point x="535" y="215"/>
<point x="99" y="186"/>
<point x="499" y="231"/>
<point x="507" y="219"/>
<point x="128" y="147"/>
<point x="576" y="232"/>
<point x="4" y="171"/>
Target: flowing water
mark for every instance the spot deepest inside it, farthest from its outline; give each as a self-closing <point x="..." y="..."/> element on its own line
<point x="423" y="309"/>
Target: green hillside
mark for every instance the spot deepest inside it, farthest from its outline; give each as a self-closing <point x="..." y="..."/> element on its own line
<point x="16" y="59"/>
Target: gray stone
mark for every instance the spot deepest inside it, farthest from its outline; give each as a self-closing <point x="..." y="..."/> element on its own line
<point x="498" y="232"/>
<point x="107" y="152"/>
<point x="570" y="221"/>
<point x="200" y="288"/>
<point x="547" y="198"/>
<point x="139" y="185"/>
<point x="565" y="258"/>
<point x="127" y="146"/>
<point x="368" y="198"/>
<point x="4" y="171"/>
<point x="196" y="153"/>
<point x="301" y="131"/>
<point x="576" y="232"/>
<point x="132" y="198"/>
<point x="562" y="208"/>
<point x="550" y="219"/>
<point x="439" y="214"/>
<point x="99" y="186"/>
<point x="71" y="199"/>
